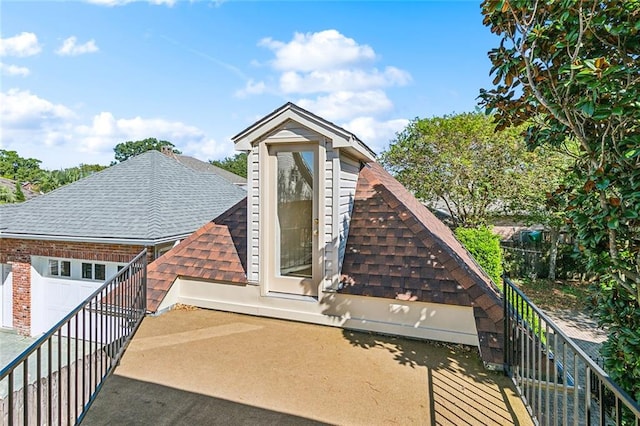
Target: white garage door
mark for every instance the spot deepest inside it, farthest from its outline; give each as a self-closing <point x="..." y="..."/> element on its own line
<point x="60" y="298"/>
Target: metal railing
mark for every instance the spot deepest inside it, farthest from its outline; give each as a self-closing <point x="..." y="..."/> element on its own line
<point x="57" y="378"/>
<point x="558" y="382"/>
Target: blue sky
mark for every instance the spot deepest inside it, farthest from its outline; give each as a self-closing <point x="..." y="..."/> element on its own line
<point x="79" y="77"/>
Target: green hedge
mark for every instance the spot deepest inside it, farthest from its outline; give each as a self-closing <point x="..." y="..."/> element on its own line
<point x="484" y="246"/>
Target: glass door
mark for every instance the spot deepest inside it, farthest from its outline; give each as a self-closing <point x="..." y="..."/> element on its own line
<point x="295" y="219"/>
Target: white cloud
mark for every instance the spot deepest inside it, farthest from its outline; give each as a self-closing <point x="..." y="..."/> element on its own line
<point x="70" y="47"/>
<point x="23" y="44"/>
<point x="251" y="88"/>
<point x="13" y="70"/>
<point x="21" y="109"/>
<point x="345" y="105"/>
<point x="334" y="76"/>
<point x="341" y="80"/>
<point x="29" y="124"/>
<point x="323" y="50"/>
<point x="376" y="134"/>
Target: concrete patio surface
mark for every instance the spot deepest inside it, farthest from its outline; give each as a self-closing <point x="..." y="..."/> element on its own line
<point x="208" y="367"/>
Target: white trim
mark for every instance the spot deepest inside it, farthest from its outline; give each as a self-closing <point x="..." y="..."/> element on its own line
<point x="422" y="320"/>
<point x="66" y="238"/>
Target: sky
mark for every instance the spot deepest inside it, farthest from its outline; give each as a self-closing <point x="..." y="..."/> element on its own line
<point x="79" y="77"/>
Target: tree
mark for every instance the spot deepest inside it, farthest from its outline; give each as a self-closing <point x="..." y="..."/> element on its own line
<point x="6" y="195"/>
<point x="19" y="195"/>
<point x="236" y="164"/>
<point x="125" y="150"/>
<point x="539" y="195"/>
<point x="571" y="69"/>
<point x="460" y="161"/>
<point x="15" y="167"/>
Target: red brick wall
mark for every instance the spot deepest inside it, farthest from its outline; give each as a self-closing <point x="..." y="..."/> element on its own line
<point x="18" y="253"/>
<point x="22" y="297"/>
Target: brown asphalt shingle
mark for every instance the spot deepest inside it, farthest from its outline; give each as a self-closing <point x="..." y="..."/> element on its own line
<point x="397" y="248"/>
<point x="216" y="252"/>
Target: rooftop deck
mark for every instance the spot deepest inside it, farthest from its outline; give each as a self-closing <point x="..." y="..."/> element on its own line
<point x="210" y="367"/>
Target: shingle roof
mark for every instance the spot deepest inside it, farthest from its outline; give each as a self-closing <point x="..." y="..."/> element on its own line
<point x="203" y="166"/>
<point x="396" y="248"/>
<point x="217" y="252"/>
<point x="148" y="198"/>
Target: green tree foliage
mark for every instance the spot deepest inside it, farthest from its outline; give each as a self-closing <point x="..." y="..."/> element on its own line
<point x="129" y="149"/>
<point x="459" y="161"/>
<point x="6" y="195"/>
<point x="56" y="178"/>
<point x="236" y="164"/>
<point x="571" y="69"/>
<point x="19" y="195"/>
<point x="484" y="246"/>
<point x="15" y="167"/>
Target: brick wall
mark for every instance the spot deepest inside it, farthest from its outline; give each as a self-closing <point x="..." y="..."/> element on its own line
<point x="22" y="297"/>
<point x="18" y="252"/>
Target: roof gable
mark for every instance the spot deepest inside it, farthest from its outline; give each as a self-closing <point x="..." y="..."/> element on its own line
<point x="340" y="137"/>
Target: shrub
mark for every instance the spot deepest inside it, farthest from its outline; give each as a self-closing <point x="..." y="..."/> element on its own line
<point x="484" y="246"/>
<point x="621" y="313"/>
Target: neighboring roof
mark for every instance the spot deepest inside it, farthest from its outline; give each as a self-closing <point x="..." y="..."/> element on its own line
<point x="203" y="166"/>
<point x="147" y="199"/>
<point x="11" y="185"/>
<point x="396" y="248"/>
<point x="342" y="138"/>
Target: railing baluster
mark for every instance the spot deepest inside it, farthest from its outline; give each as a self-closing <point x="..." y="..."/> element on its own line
<point x="10" y="390"/>
<point x="39" y="386"/>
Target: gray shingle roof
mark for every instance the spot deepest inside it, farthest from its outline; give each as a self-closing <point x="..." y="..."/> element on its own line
<point x="150" y="197"/>
<point x="203" y="166"/>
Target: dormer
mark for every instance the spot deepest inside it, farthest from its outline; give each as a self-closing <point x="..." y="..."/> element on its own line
<point x="302" y="175"/>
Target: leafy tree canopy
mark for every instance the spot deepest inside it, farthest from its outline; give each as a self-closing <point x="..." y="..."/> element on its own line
<point x="125" y="150"/>
<point x="236" y="164"/>
<point x="15" y="167"/>
<point x="571" y="69"/>
<point x="459" y="161"/>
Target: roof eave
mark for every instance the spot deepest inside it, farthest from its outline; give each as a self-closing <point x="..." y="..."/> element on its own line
<point x="98" y="240"/>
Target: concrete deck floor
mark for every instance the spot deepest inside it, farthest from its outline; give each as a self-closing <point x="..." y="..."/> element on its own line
<point x="208" y="367"/>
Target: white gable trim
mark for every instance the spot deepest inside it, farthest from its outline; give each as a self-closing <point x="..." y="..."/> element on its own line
<point x="339" y="137"/>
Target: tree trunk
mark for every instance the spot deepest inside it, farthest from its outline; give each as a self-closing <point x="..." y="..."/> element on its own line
<point x="553" y="252"/>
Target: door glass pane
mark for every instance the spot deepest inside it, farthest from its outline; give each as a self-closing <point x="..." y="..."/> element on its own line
<point x="295" y="212"/>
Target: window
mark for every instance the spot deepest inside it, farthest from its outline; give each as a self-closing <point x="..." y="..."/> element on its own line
<point x="59" y="268"/>
<point x="93" y="271"/>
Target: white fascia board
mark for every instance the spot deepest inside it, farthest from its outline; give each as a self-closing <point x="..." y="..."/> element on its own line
<point x="98" y="240"/>
<point x="263" y="128"/>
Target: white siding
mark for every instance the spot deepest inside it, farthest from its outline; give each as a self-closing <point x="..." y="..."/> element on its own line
<point x="330" y="255"/>
<point x="253" y="216"/>
<point x="349" y="170"/>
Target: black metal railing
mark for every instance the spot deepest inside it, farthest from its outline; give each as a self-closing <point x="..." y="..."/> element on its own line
<point x="558" y="382"/>
<point x="57" y="378"/>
